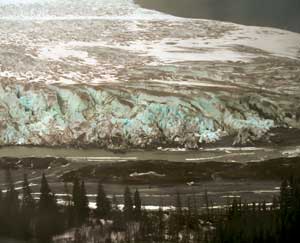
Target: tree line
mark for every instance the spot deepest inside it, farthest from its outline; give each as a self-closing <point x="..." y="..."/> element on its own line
<point x="261" y="222"/>
<point x="24" y="217"/>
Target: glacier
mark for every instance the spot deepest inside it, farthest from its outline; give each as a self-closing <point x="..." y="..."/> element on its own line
<point x="113" y="75"/>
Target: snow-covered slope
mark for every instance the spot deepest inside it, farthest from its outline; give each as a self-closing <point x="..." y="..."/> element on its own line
<point x="113" y="74"/>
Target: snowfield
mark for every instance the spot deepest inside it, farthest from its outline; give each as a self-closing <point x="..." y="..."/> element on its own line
<point x="112" y="74"/>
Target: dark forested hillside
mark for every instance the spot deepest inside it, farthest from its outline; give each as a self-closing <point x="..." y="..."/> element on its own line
<point x="282" y="14"/>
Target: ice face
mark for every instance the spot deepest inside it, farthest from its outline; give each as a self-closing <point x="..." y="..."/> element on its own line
<point x="67" y="115"/>
<point x="113" y="74"/>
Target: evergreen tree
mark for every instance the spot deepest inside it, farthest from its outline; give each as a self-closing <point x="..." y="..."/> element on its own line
<point x="284" y="197"/>
<point x="47" y="214"/>
<point x="148" y="227"/>
<point x="27" y="210"/>
<point x="28" y="202"/>
<point x="76" y="192"/>
<point x="137" y="205"/>
<point x="103" y="203"/>
<point x="274" y="203"/>
<point x="118" y="220"/>
<point x="47" y="198"/>
<point x="206" y="203"/>
<point x="80" y="202"/>
<point x="1" y="213"/>
<point x="117" y="216"/>
<point x="128" y="205"/>
<point x="261" y="224"/>
<point x="84" y="203"/>
<point x="11" y="211"/>
<point x="76" y="200"/>
<point x="161" y="225"/>
<point x="176" y="221"/>
<point x="178" y="204"/>
<point x="114" y="203"/>
<point x="69" y="209"/>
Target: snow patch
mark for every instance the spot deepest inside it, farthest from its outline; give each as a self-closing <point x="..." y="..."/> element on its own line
<point x="149" y="173"/>
<point x="59" y="53"/>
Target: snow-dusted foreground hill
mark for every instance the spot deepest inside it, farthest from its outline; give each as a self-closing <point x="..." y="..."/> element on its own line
<point x="110" y="73"/>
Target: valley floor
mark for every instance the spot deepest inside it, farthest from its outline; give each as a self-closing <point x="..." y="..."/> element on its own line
<point x="158" y="178"/>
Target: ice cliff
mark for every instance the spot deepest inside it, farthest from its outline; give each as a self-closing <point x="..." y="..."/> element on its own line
<point x="118" y="116"/>
<point x="111" y="74"/>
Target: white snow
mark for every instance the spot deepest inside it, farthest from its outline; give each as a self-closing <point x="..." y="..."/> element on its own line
<point x="131" y="29"/>
<point x="16" y="2"/>
<point x="231" y="196"/>
<point x="172" y="149"/>
<point x="190" y="183"/>
<point x="102" y="159"/>
<point x="275" y="42"/>
<point x="236" y="149"/>
<point x="266" y="191"/>
<point x="33" y="184"/>
<point x="63" y="80"/>
<point x="152" y="173"/>
<point x="59" y="53"/>
<point x="49" y="10"/>
<point x="292" y="152"/>
<point x="121" y="206"/>
<point x="264" y="40"/>
<point x="147" y="207"/>
<point x="193" y="83"/>
<point x="219" y="156"/>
